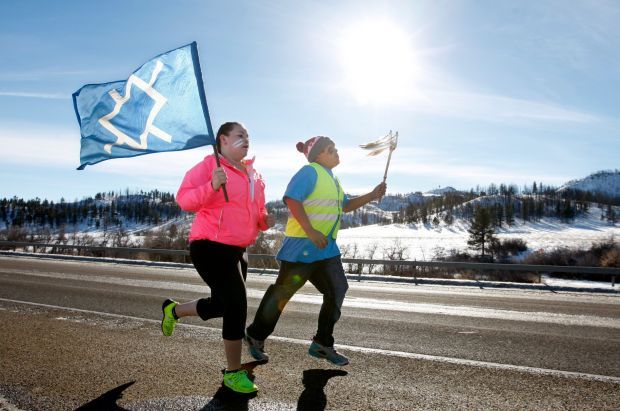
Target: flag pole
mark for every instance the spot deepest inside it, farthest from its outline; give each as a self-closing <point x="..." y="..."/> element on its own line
<point x="217" y="161"/>
<point x="205" y="108"/>
<point x="387" y="165"/>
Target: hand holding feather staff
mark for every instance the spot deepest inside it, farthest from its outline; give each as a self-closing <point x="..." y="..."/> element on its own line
<point x="390" y="141"/>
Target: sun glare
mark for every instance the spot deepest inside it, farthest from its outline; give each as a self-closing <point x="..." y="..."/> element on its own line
<point x="378" y="62"/>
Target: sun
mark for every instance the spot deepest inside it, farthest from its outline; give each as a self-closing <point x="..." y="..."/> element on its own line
<point x="378" y="62"/>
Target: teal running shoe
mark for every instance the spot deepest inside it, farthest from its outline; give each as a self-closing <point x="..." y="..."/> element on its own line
<point x="256" y="348"/>
<point x="328" y="353"/>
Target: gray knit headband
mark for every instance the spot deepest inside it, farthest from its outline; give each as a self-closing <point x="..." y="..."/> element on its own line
<point x="321" y="144"/>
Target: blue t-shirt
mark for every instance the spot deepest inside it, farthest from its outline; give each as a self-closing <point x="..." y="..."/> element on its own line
<point x="302" y="249"/>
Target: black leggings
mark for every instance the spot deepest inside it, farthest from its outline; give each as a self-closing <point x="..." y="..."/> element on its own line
<point x="224" y="269"/>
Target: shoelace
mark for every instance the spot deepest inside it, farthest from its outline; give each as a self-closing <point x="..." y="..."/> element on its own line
<point x="238" y="375"/>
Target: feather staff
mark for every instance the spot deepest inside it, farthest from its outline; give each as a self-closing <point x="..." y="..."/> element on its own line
<point x="390" y="141"/>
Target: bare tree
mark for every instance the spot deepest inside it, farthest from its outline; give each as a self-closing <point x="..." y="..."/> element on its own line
<point x="371" y="250"/>
<point x="395" y="252"/>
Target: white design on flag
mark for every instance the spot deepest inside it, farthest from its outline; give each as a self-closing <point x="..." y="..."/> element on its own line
<point x="159" y="99"/>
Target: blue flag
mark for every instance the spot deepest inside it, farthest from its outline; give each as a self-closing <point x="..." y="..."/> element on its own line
<point x="160" y="107"/>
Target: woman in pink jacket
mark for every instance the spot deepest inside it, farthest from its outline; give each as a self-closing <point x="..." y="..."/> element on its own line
<point x="220" y="233"/>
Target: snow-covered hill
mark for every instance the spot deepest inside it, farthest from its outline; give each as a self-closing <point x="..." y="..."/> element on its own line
<point x="424" y="242"/>
<point x="606" y="183"/>
<point x="602" y="182"/>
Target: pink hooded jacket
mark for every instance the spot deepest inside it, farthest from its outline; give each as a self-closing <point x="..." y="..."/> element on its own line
<point x="234" y="223"/>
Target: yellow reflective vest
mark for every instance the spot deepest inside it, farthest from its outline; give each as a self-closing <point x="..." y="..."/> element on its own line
<point x="323" y="206"/>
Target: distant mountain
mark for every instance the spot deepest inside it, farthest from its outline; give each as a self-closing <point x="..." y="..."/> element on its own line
<point x="606" y="183"/>
<point x="397" y="202"/>
<point x="137" y="211"/>
<point x="442" y="191"/>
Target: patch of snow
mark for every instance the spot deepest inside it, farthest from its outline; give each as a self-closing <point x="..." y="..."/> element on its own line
<point x="422" y="242"/>
<point x="562" y="283"/>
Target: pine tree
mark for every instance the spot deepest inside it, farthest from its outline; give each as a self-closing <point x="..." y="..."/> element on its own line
<point x="612" y="217"/>
<point x="510" y="214"/>
<point x="525" y="210"/>
<point x="481" y="232"/>
<point x="567" y="211"/>
<point x="424" y="214"/>
<point x="499" y="215"/>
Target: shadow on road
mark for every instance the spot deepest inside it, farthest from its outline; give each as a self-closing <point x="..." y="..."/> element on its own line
<point x="107" y="401"/>
<point x="226" y="399"/>
<point x="313" y="397"/>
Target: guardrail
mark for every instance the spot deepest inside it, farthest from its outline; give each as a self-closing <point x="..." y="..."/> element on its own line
<point x="539" y="269"/>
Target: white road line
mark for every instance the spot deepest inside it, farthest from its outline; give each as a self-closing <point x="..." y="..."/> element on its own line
<point x="359" y="302"/>
<point x="389" y="353"/>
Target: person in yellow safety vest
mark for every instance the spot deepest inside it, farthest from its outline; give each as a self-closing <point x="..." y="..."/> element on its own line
<point x="309" y="252"/>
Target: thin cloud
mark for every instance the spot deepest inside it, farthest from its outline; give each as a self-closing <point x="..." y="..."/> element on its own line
<point x="592" y="21"/>
<point x="39" y="149"/>
<point x="495" y="108"/>
<point x="436" y="90"/>
<point x="26" y="94"/>
<point x="60" y="147"/>
<point x="38" y="75"/>
<point x="410" y="167"/>
<point x="440" y="94"/>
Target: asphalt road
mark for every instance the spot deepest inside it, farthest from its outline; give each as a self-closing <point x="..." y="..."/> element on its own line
<point x="86" y="335"/>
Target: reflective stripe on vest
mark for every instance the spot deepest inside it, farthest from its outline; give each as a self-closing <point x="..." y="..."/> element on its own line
<point x="323" y="206"/>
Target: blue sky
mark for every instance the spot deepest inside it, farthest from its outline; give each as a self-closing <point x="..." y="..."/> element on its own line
<point x="480" y="91"/>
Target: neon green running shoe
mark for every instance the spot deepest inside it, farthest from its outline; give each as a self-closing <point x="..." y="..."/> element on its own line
<point x="238" y="381"/>
<point x="168" y="321"/>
